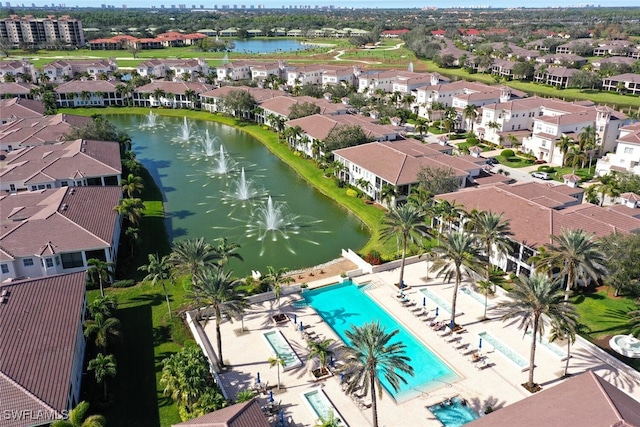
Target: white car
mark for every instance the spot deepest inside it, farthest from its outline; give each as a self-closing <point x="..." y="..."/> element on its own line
<point x="542" y="175"/>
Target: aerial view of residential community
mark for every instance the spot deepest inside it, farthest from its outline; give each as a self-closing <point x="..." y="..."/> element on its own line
<point x="320" y="214"/>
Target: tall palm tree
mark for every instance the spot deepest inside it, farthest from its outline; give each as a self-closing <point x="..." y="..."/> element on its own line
<point x="275" y="279"/>
<point x="455" y="255"/>
<point x="493" y="231"/>
<point x="404" y="223"/>
<point x="370" y="355"/>
<point x="192" y="257"/>
<point x="131" y="209"/>
<point x="225" y="251"/>
<point x="531" y="298"/>
<point x="104" y="329"/>
<point x="99" y="270"/>
<point x="470" y="113"/>
<point x="133" y="236"/>
<point x="387" y="193"/>
<point x="564" y="144"/>
<point x="220" y="290"/>
<point x="131" y="185"/>
<point x="158" y="270"/>
<point x="577" y="255"/>
<point x="78" y="418"/>
<point x="277" y="361"/>
<point x="447" y="212"/>
<point x="103" y="367"/>
<point x="608" y="186"/>
<point x="486" y="287"/>
<point x="321" y="350"/>
<point x="575" y="156"/>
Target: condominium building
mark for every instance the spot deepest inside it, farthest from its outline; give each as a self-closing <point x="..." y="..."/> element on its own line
<point x="49" y="31"/>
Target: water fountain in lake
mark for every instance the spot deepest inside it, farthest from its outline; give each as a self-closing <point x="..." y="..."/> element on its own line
<point x="242" y="190"/>
<point x="150" y="121"/>
<point x="223" y="164"/>
<point x="273" y="220"/>
<point x="186" y="131"/>
<point x="208" y="144"/>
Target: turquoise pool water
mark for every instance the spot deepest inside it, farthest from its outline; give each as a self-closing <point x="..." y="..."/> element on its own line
<point x="345" y="304"/>
<point x="454" y="413"/>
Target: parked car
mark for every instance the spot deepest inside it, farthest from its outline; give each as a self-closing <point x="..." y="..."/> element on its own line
<point x="492" y="161"/>
<point x="542" y="175"/>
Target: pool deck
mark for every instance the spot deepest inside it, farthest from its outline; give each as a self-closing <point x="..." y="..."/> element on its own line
<point x="496" y="385"/>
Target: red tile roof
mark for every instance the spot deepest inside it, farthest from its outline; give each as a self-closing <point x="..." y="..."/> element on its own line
<point x="39" y="322"/>
<point x="587" y="400"/>
<point x="246" y="414"/>
<point x="19" y="108"/>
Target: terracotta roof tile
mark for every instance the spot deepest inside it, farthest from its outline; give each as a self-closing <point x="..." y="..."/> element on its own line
<point x="246" y="414"/>
<point x="39" y="323"/>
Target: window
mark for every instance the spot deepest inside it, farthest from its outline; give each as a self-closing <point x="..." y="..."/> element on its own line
<point x="27" y="262"/>
<point x="5" y="268"/>
<point x="12" y="188"/>
<point x="72" y="260"/>
<point x="64" y="184"/>
<point x="628" y="150"/>
<point x="49" y="262"/>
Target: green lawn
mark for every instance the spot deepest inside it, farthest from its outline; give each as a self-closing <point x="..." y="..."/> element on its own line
<point x="515" y="162"/>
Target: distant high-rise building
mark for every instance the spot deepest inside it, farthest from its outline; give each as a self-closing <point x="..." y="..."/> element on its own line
<point x="7" y="4"/>
<point x="49" y="31"/>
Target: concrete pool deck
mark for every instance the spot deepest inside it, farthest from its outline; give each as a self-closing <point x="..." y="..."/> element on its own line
<point x="497" y="385"/>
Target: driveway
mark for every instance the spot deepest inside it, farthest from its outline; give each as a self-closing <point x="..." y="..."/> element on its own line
<point x="519" y="174"/>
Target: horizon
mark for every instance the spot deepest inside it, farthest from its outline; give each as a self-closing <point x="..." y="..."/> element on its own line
<point x="225" y="5"/>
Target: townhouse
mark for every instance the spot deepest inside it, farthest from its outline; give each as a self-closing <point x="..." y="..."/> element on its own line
<point x="180" y="69"/>
<point x="19" y="108"/>
<point x="558" y="118"/>
<point x="213" y="100"/>
<point x="555" y="76"/>
<point x="17" y="71"/>
<point x="565" y="59"/>
<point x="87" y="93"/>
<point x="169" y="94"/>
<point x="17" y="90"/>
<point x="64" y="70"/>
<point x="43" y="347"/>
<point x="398" y="164"/>
<point x="31" y="131"/>
<point x="281" y="107"/>
<point x="390" y="81"/>
<point x="66" y="164"/>
<point x="626" y="83"/>
<point x="626" y="157"/>
<point x="54" y="231"/>
<point x="321" y="75"/>
<point x="538" y="211"/>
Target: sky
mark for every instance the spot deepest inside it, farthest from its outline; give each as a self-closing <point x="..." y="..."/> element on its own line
<point x="381" y="4"/>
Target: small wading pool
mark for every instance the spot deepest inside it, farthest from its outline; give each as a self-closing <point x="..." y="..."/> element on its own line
<point x="453" y="413"/>
<point x="279" y="345"/>
<point x="320" y="407"/>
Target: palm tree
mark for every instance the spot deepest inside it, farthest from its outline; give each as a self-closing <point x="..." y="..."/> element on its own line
<point x="387" y="193"/>
<point x="158" y="270"/>
<point x="100" y="270"/>
<point x="564" y="144"/>
<point x="158" y="94"/>
<point x="133" y="235"/>
<point x="486" y="287"/>
<point x="588" y="137"/>
<point x="131" y="209"/>
<point x="225" y="251"/>
<point x="77" y="418"/>
<point x="404" y="223"/>
<point x="576" y="255"/>
<point x="275" y="279"/>
<point x="370" y="355"/>
<point x="533" y="297"/>
<point x="421" y="126"/>
<point x="470" y="113"/>
<point x="455" y="255"/>
<point x="561" y="331"/>
<point x="192" y="257"/>
<point x="103" y="305"/>
<point x="575" y="156"/>
<point x="493" y="231"/>
<point x="222" y="294"/>
<point x="321" y="350"/>
<point x="447" y="212"/>
<point x="103" y="367"/>
<point x="277" y="361"/>
<point x="330" y="421"/>
<point x="245" y="395"/>
<point x="132" y="184"/>
<point x="608" y="186"/>
<point x="103" y="328"/>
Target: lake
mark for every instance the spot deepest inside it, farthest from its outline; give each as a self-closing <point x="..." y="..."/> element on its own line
<point x="268" y="46"/>
<point x="297" y="227"/>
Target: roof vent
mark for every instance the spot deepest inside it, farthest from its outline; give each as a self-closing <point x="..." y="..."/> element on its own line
<point x="65" y="207"/>
<point x="4" y="296"/>
<point x="72" y="191"/>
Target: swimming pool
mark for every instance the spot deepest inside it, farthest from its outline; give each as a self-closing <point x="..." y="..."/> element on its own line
<point x="453" y="413"/>
<point x="319" y="405"/>
<point x="279" y="345"/>
<point x="345" y="304"/>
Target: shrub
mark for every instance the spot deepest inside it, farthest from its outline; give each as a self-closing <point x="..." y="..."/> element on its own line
<point x="472" y="140"/>
<point x="547" y="168"/>
<point x="507" y="153"/>
<point x="373" y="258"/>
<point x="127" y="283"/>
<point x="351" y="192"/>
